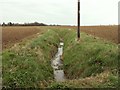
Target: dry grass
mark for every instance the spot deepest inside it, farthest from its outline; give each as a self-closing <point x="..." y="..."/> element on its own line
<point x="90" y="82"/>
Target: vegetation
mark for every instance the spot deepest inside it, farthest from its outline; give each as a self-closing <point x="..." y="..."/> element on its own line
<point x="25" y="24"/>
<point x="29" y="66"/>
<point x="91" y="52"/>
<point x="103" y="80"/>
<point x="92" y="62"/>
<point x="91" y="58"/>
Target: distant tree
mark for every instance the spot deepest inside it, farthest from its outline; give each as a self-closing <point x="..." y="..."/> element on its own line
<point x="10" y="24"/>
<point x="3" y="24"/>
<point x="36" y="24"/>
<point x="25" y="24"/>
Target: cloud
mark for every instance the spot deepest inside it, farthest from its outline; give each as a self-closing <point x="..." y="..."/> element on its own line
<point x="93" y="12"/>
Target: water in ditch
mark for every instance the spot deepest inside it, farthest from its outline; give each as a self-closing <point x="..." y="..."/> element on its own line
<point x="57" y="64"/>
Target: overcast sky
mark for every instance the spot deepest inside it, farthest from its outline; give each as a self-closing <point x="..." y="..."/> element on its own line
<point x="93" y="12"/>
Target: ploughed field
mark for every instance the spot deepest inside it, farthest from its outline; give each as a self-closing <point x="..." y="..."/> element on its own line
<point x="106" y="32"/>
<point x="11" y="35"/>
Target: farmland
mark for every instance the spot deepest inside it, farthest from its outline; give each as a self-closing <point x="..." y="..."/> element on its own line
<point x="15" y="34"/>
<point x="12" y="35"/>
<point x="105" y="32"/>
<point x="92" y="62"/>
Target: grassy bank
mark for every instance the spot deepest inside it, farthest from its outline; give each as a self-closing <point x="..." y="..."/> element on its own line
<point x="89" y="57"/>
<point x="92" y="62"/>
<point x="28" y="64"/>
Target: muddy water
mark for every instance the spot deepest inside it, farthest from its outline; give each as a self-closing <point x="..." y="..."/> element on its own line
<point x="57" y="64"/>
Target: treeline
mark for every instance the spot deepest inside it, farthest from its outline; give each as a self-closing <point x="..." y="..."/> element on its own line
<point x="25" y="24"/>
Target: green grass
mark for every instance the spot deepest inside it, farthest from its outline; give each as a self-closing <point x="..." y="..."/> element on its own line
<point x="103" y="80"/>
<point x="89" y="57"/>
<point x="29" y="67"/>
<point x="85" y="62"/>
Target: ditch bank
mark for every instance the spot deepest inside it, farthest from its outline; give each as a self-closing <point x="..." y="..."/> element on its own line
<point x="30" y="66"/>
<point x="87" y="60"/>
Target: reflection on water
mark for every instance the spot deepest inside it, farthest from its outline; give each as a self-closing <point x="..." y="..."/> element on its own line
<point x="57" y="64"/>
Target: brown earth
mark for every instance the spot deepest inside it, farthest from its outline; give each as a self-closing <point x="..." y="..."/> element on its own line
<point x="15" y="34"/>
<point x="107" y="32"/>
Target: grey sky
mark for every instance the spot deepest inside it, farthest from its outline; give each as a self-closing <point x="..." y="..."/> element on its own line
<point x="93" y="12"/>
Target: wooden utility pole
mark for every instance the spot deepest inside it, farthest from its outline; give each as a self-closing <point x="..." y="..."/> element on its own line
<point x="78" y="33"/>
